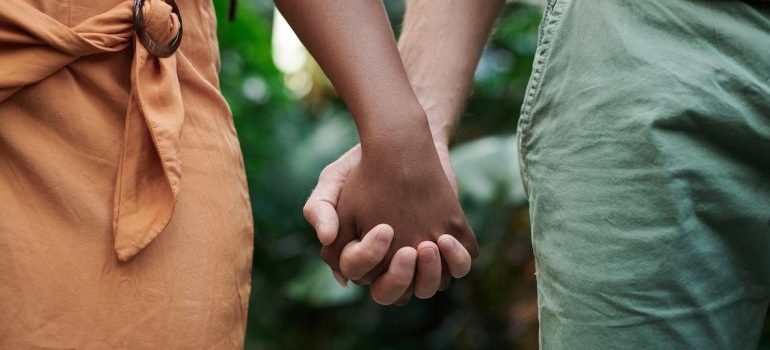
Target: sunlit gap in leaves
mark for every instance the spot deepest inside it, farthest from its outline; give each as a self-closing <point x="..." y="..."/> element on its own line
<point x="290" y="57"/>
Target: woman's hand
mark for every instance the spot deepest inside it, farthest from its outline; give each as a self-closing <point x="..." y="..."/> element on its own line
<point x="359" y="257"/>
<point x="399" y="180"/>
<point x="404" y="185"/>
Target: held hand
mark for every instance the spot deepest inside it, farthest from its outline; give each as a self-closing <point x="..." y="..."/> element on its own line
<point x="359" y="257"/>
<point x="402" y="184"/>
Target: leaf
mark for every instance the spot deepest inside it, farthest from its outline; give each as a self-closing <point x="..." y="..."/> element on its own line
<point x="316" y="286"/>
<point x="488" y="170"/>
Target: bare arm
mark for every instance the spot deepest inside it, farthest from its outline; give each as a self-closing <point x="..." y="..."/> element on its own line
<point x="440" y="45"/>
<point x="399" y="179"/>
<point x="354" y="44"/>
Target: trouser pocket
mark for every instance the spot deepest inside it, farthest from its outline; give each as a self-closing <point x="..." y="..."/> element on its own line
<point x="549" y="28"/>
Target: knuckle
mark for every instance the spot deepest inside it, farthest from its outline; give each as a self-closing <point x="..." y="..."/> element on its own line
<point x="368" y="254"/>
<point x="402" y="281"/>
<point x="308" y="209"/>
<point x="457" y="223"/>
<point x="352" y="271"/>
<point x="362" y="255"/>
<point x="327" y="173"/>
<point x="348" y="269"/>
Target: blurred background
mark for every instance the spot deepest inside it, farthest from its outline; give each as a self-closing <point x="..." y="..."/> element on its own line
<point x="291" y="124"/>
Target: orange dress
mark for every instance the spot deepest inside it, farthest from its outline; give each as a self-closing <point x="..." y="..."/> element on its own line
<point x="125" y="220"/>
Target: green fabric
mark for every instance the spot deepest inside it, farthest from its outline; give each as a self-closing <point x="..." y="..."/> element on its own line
<point x="645" y="151"/>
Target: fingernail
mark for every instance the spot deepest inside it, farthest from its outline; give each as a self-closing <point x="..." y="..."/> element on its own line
<point x="410" y="254"/>
<point x="382" y="237"/>
<point x="431" y="254"/>
<point x="444" y="239"/>
<point x="341" y="280"/>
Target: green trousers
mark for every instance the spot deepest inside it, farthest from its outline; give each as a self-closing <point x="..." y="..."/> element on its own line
<point x="644" y="145"/>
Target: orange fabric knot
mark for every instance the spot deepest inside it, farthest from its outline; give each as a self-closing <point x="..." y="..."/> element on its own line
<point x="150" y="170"/>
<point x="162" y="24"/>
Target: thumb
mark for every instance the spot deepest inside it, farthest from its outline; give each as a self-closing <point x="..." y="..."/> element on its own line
<point x="320" y="209"/>
<point x="323" y="217"/>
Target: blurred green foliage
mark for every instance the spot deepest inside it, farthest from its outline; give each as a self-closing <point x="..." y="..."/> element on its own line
<point x="286" y="141"/>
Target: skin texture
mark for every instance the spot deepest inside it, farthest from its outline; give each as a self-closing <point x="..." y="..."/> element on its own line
<point x="400" y="179"/>
<point x="409" y="191"/>
<point x="440" y="47"/>
<point x="359" y="257"/>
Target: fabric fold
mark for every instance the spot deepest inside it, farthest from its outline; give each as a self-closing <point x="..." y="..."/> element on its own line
<point x="150" y="166"/>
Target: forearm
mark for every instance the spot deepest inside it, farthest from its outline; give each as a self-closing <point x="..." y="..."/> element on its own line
<point x="440" y="45"/>
<point x="354" y="45"/>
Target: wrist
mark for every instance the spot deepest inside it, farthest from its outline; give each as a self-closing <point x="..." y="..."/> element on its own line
<point x="395" y="131"/>
<point x="441" y="146"/>
<point x="407" y="143"/>
<point x="441" y="123"/>
<point x="441" y="136"/>
<point x="410" y="147"/>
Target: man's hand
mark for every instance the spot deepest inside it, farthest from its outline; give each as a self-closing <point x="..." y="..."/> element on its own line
<point x="399" y="181"/>
<point x="359" y="257"/>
